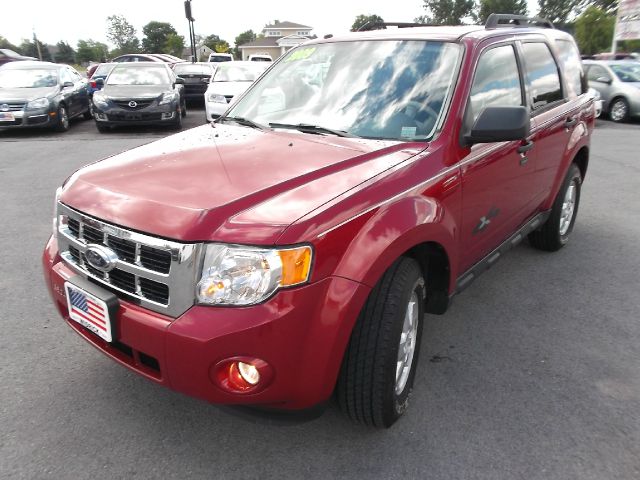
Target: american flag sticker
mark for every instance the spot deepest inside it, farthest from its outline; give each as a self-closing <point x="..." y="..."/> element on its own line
<point x="89" y="311"/>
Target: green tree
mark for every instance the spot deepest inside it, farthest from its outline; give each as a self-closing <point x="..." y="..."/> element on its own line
<point x="66" y="53"/>
<point x="608" y="6"/>
<point x="559" y="12"/>
<point x="365" y="22"/>
<point x="30" y="49"/>
<point x="122" y="34"/>
<point x="446" y="12"/>
<point x="174" y="45"/>
<point x="4" y="43"/>
<point x="487" y="7"/>
<point x="215" y="43"/>
<point x="91" y="51"/>
<point x="244" y="37"/>
<point x="594" y="30"/>
<point x="156" y="36"/>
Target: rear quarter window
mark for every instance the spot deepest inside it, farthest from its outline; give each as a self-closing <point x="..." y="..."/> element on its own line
<point x="542" y="75"/>
<point x="572" y="67"/>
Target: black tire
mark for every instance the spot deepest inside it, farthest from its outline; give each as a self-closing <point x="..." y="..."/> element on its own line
<point x="62" y="116"/>
<point x="102" y="128"/>
<point x="366" y="387"/>
<point x="619" y="110"/>
<point x="87" y="115"/>
<point x="178" y="123"/>
<point x="184" y="108"/>
<point x="550" y="237"/>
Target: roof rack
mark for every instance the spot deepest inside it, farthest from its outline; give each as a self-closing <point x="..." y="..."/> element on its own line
<point x="383" y="25"/>
<point x="497" y="20"/>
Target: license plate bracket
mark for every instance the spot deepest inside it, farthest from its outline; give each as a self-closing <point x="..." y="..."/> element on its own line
<point x="7" y="117"/>
<point x="92" y="307"/>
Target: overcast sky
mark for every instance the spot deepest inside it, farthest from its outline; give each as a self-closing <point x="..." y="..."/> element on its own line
<point x="73" y="20"/>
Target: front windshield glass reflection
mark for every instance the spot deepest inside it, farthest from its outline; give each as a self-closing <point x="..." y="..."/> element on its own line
<point x="28" y="78"/>
<point x="126" y="75"/>
<point x="387" y="89"/>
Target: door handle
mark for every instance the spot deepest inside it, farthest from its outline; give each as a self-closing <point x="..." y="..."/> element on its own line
<point x="570" y="122"/>
<point x="525" y="147"/>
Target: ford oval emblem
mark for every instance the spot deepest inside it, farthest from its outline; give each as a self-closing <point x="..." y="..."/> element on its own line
<point x="4" y="107"/>
<point x="133" y="104"/>
<point x="101" y="258"/>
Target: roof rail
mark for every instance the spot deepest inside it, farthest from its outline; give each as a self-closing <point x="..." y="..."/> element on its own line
<point x="383" y="25"/>
<point x="497" y="20"/>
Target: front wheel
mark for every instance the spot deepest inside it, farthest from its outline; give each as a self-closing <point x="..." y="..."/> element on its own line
<point x="619" y="110"/>
<point x="554" y="234"/>
<point x="63" y="119"/>
<point x="184" y="108"/>
<point x="379" y="365"/>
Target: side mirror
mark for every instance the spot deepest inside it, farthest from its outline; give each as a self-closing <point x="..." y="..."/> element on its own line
<point x="606" y="80"/>
<point x="179" y="81"/>
<point x="500" y="124"/>
<point x="67" y="84"/>
<point x="100" y="81"/>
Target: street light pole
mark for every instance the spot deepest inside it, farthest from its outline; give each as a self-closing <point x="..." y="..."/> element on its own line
<point x="192" y="35"/>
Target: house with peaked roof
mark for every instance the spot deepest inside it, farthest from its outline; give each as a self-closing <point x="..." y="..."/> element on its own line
<point x="276" y="39"/>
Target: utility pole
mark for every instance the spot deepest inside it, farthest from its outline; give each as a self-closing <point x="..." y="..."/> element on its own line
<point x="192" y="35"/>
<point x="37" y="43"/>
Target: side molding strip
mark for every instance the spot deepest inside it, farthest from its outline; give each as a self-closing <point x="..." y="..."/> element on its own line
<point x="487" y="262"/>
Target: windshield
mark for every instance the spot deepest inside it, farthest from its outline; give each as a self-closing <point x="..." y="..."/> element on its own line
<point x="127" y="75"/>
<point x="626" y="72"/>
<point x="28" y="78"/>
<point x="232" y="72"/>
<point x="388" y="89"/>
<point x="193" y="69"/>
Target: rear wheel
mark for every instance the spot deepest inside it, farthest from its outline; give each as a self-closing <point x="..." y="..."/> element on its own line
<point x="379" y="366"/>
<point x="619" y="110"/>
<point x="63" y="119"/>
<point x="554" y="234"/>
<point x="88" y="115"/>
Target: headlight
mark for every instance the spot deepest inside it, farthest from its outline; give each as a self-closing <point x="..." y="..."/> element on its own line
<point x="214" y="97"/>
<point x="55" y="211"/>
<point x="237" y="275"/>
<point x="167" y="98"/>
<point x="38" y="103"/>
<point x="99" y="101"/>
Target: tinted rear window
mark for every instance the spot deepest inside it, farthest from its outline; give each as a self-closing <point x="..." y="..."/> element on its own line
<point x="542" y="73"/>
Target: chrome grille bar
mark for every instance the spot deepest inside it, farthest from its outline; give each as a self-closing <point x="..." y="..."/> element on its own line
<point x="132" y="276"/>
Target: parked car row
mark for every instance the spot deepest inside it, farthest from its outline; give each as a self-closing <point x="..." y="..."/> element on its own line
<point x="618" y="83"/>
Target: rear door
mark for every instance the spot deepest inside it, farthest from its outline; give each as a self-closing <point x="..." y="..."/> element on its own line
<point x="555" y="107"/>
<point x="496" y="186"/>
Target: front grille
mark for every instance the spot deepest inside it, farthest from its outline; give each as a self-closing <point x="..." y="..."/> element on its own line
<point x="15" y="106"/>
<point x="139" y="104"/>
<point x="156" y="273"/>
<point x="128" y="117"/>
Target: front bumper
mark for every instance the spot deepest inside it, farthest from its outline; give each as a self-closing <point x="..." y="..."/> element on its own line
<point x="301" y="333"/>
<point x="31" y="119"/>
<point x="215" y="109"/>
<point x="151" y="115"/>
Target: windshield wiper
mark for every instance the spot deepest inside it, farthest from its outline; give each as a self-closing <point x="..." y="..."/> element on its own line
<point x="243" y="121"/>
<point x="317" y="129"/>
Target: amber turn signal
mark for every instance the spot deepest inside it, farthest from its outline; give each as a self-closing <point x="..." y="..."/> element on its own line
<point x="296" y="265"/>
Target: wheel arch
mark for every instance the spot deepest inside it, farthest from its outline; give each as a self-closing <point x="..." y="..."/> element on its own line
<point x="581" y="159"/>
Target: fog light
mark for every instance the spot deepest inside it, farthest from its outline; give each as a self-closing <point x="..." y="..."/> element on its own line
<point x="249" y="373"/>
<point x="167" y="115"/>
<point x="242" y="374"/>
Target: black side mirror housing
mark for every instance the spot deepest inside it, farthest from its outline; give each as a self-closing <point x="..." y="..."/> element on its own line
<point x="100" y="81"/>
<point x="179" y="81"/>
<point x="67" y="84"/>
<point x="499" y="124"/>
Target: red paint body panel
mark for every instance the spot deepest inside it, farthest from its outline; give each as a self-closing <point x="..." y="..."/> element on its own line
<point x="359" y="203"/>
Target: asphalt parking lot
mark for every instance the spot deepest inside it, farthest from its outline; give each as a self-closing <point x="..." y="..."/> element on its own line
<point x="533" y="374"/>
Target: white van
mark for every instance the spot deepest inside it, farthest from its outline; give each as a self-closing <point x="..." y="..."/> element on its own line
<point x="220" y="57"/>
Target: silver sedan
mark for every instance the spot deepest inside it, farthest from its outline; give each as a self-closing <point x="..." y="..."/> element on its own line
<point x="618" y="83"/>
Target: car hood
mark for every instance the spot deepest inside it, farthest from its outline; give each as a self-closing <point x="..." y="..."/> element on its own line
<point x="135" y="91"/>
<point x="25" y="94"/>
<point x="226" y="182"/>
<point x="228" y="88"/>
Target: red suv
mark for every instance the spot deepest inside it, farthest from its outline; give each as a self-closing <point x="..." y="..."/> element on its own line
<point x="289" y="251"/>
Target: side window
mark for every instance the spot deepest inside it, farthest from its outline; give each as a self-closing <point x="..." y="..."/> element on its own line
<point x="74" y="75"/>
<point x="597" y="72"/>
<point x="496" y="82"/>
<point x="65" y="76"/>
<point x="542" y="74"/>
<point x="572" y="67"/>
